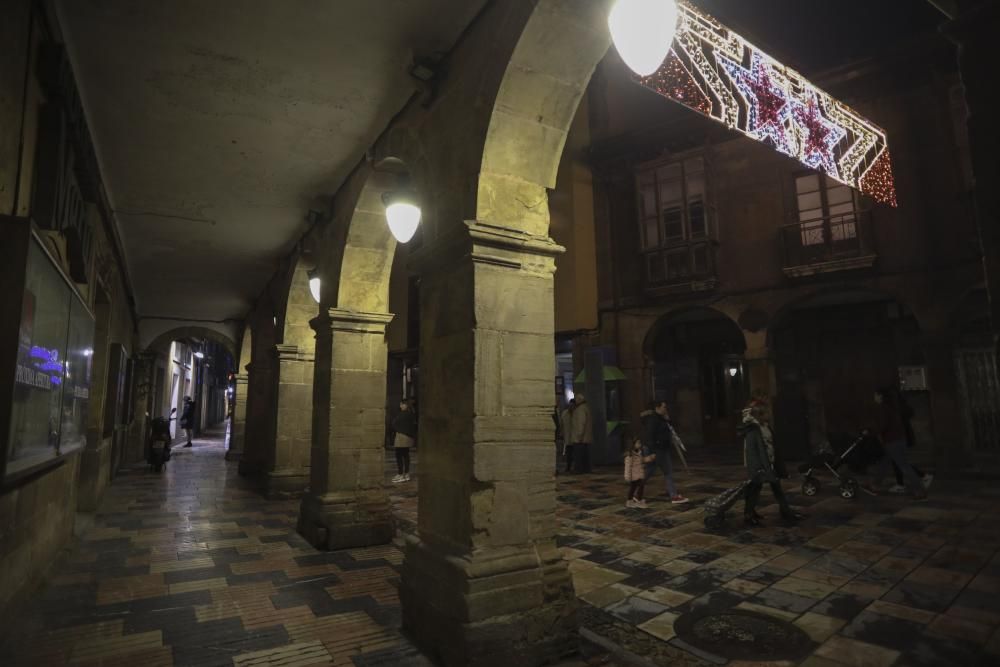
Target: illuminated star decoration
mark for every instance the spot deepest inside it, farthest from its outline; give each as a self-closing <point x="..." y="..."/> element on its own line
<point x="768" y="105"/>
<point x="820" y="136"/>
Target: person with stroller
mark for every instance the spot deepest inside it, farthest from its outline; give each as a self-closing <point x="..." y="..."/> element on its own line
<point x="659" y="438"/>
<point x="759" y="458"/>
<point x="636" y="460"/>
<point x="892" y="434"/>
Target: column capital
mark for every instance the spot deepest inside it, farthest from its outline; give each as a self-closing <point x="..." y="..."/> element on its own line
<point x="336" y="319"/>
<point x="242" y="378"/>
<point x="292" y="353"/>
<point x="485" y="243"/>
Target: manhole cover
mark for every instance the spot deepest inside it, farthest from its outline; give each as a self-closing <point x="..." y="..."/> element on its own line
<point x="740" y="635"/>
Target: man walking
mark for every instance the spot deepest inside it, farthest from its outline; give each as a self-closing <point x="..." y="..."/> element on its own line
<point x="187" y="419"/>
<point x="659" y="437"/>
<point x="583" y="434"/>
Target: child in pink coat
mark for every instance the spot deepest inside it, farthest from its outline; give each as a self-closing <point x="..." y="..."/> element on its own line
<point x="636" y="459"/>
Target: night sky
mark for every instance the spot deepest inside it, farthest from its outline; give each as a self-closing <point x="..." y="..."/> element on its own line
<point x="815" y="35"/>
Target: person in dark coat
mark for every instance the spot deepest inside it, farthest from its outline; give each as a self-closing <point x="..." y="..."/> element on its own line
<point x="404" y="428"/>
<point x="892" y="433"/>
<point x="759" y="458"/>
<point x="187" y="419"/>
<point x="658" y="437"/>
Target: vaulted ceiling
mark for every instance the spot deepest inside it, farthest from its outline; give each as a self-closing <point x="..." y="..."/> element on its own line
<point x="219" y="124"/>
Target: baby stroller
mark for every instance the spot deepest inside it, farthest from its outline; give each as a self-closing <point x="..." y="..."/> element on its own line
<point x="852" y="456"/>
<point x="716" y="508"/>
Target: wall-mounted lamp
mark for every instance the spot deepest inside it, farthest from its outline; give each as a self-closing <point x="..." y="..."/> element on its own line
<point x="88" y="352"/>
<point x="199" y="354"/>
<point x="643" y="31"/>
<point x="733" y="371"/>
<point x="402" y="213"/>
<point x="314" y="284"/>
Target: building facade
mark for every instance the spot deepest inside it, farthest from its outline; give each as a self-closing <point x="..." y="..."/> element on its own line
<point x="727" y="269"/>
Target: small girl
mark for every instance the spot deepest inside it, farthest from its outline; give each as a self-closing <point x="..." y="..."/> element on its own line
<point x="635" y="473"/>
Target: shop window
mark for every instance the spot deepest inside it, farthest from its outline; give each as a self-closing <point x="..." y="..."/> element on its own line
<point x="51" y="391"/>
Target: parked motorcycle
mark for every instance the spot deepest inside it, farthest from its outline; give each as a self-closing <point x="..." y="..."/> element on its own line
<point x="158" y="452"/>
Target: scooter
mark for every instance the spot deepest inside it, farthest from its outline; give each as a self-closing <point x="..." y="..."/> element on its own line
<point x="158" y="452"/>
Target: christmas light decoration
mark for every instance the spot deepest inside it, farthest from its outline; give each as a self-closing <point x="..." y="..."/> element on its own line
<point x="719" y="74"/>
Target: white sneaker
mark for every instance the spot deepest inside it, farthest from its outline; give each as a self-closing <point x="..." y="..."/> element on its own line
<point x="397" y="479"/>
<point x="406" y="477"/>
<point x="641" y="504"/>
<point x="897" y="488"/>
<point x="630" y="503"/>
<point x="927" y="480"/>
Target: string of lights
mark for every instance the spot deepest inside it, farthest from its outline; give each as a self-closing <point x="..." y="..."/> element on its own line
<point x="719" y="74"/>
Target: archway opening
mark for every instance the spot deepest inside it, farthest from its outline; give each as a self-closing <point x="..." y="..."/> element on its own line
<point x="198" y="364"/>
<point x="698" y="367"/>
<point x="831" y="351"/>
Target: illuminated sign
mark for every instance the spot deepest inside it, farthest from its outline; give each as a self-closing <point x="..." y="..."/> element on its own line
<point x="719" y="74"/>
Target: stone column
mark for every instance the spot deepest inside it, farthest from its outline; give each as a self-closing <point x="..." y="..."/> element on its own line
<point x="347" y="505"/>
<point x="238" y="429"/>
<point x="144" y="372"/>
<point x="287" y="453"/>
<point x="258" y="404"/>
<point x="482" y="581"/>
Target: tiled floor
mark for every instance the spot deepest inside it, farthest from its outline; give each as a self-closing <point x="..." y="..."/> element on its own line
<point x="194" y="568"/>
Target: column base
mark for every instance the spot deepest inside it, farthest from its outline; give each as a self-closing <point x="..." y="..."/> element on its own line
<point x="282" y="484"/>
<point x="232" y="455"/>
<point x="511" y="606"/>
<point x="346" y="521"/>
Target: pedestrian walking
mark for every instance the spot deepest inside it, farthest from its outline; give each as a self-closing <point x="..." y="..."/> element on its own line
<point x="906" y="414"/>
<point x="583" y="434"/>
<point x="566" y="426"/>
<point x="759" y="459"/>
<point x="187" y="419"/>
<point x="636" y="460"/>
<point x="662" y="441"/>
<point x="404" y="427"/>
<point x="892" y="433"/>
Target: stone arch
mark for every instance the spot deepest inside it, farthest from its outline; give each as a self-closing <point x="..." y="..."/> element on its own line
<point x="162" y="342"/>
<point x="535" y="103"/>
<point x="856" y="293"/>
<point x="680" y="314"/>
<point x="246" y="349"/>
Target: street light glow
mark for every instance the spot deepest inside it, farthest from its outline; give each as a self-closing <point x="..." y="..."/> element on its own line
<point x="642" y="31"/>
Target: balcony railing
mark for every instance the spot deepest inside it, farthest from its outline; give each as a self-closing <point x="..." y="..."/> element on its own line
<point x="680" y="262"/>
<point x="833" y="242"/>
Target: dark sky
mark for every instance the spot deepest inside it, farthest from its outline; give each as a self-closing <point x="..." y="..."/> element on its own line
<point x="815" y="35"/>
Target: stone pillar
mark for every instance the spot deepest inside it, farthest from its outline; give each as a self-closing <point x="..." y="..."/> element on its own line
<point x="287" y="453"/>
<point x="760" y="365"/>
<point x="483" y="582"/>
<point x="259" y="428"/>
<point x="946" y="413"/>
<point x="347" y="505"/>
<point x="144" y="372"/>
<point x="238" y="429"/>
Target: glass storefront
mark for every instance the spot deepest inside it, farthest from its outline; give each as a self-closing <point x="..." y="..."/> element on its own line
<point x="52" y="379"/>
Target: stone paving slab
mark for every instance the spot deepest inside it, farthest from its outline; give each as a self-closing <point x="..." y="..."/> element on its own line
<point x="194" y="567"/>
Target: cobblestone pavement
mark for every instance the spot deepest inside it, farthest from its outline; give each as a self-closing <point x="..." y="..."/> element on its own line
<point x="875" y="581"/>
<point x="192" y="567"/>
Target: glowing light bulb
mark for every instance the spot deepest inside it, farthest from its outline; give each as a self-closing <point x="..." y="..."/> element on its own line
<point x="643" y="31"/>
<point x="733" y="371"/>
<point x="403" y="218"/>
<point x="200" y="355"/>
<point x="314" y="284"/>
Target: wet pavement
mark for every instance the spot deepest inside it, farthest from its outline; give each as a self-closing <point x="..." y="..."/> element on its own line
<point x="193" y="567"/>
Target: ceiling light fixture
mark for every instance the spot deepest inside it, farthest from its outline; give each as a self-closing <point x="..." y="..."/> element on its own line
<point x="643" y="31"/>
<point x="402" y="213"/>
<point x="199" y="354"/>
<point x="314" y="284"/>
